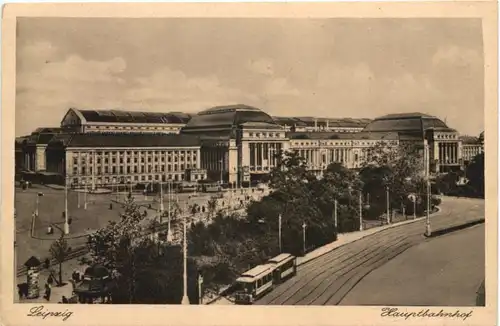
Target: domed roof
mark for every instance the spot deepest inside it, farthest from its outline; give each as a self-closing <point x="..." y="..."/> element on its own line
<point x="228" y="116"/>
<point x="406" y="123"/>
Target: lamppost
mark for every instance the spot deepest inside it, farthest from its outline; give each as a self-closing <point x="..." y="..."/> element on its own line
<point x="428" y="230"/>
<point x="221" y="172"/>
<point x="38" y="195"/>
<point x="35" y="214"/>
<point x="169" y="196"/>
<point x="78" y="196"/>
<point x="414" y="207"/>
<point x="388" y="205"/>
<point x="161" y="202"/>
<point x="279" y="231"/>
<point x="66" y="224"/>
<point x="360" y="211"/>
<point x="304" y="226"/>
<point x="85" y="196"/>
<point x="335" y="219"/>
<point x="185" y="299"/>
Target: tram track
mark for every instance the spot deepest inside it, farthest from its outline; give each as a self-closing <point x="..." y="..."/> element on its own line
<point x="329" y="278"/>
<point x="319" y="268"/>
<point x="322" y="285"/>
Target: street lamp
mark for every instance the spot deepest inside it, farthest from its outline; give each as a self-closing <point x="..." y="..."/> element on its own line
<point x="428" y="230"/>
<point x="335" y="219"/>
<point x="78" y="195"/>
<point x="85" y="196"/>
<point x="388" y="206"/>
<point x="185" y="299"/>
<point x="221" y="172"/>
<point x="169" y="196"/>
<point x="35" y="214"/>
<point x="38" y="195"/>
<point x="304" y="226"/>
<point x="66" y="224"/>
<point x="279" y="231"/>
<point x="360" y="211"/>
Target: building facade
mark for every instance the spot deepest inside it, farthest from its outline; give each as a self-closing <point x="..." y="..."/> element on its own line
<point x="234" y="144"/>
<point x="118" y="121"/>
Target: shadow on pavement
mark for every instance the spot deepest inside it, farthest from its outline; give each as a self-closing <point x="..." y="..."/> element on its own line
<point x="455" y="228"/>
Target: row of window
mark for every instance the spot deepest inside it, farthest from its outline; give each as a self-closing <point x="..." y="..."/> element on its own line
<point x="131" y="128"/>
<point x="263" y="134"/>
<point x="332" y="144"/>
<point x="128" y="160"/>
<point x="135" y="178"/>
<point x="135" y="153"/>
<point x="132" y="169"/>
<point x="264" y="280"/>
<point x="446" y="136"/>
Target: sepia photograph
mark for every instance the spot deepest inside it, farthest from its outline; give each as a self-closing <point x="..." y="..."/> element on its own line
<point x="251" y="161"/>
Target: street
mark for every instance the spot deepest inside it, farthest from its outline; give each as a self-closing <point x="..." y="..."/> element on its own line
<point x="447" y="270"/>
<point x="97" y="215"/>
<point x="328" y="279"/>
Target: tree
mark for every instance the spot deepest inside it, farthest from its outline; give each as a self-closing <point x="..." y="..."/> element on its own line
<point x="59" y="250"/>
<point x="396" y="167"/>
<point x="475" y="174"/>
<point x="211" y="207"/>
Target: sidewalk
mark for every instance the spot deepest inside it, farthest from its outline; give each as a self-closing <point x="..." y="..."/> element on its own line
<point x="346" y="238"/>
<point x="57" y="292"/>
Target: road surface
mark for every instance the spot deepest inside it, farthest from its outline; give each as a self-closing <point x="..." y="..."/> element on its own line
<point x="446" y="270"/>
<point x="328" y="279"/>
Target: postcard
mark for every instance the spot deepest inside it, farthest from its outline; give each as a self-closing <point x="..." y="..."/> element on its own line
<point x="249" y="164"/>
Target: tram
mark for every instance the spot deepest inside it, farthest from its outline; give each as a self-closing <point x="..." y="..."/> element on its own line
<point x="254" y="283"/>
<point x="261" y="279"/>
<point x="187" y="187"/>
<point x="211" y="187"/>
<point x="285" y="267"/>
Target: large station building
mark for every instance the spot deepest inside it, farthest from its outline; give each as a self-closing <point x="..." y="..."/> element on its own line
<point x="233" y="144"/>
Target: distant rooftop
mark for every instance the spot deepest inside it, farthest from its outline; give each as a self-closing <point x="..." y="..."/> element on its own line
<point x="410" y="123"/>
<point x="121" y="116"/>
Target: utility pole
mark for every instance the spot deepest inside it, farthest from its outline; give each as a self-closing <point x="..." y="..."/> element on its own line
<point x="360" y="211"/>
<point x="66" y="224"/>
<point x="428" y="230"/>
<point x="185" y="299"/>
<point x="221" y="172"/>
<point x="388" y="206"/>
<point x="304" y="237"/>
<point x="85" y="197"/>
<point x="335" y="216"/>
<point x="161" y="202"/>
<point x="279" y="230"/>
<point x="169" y="196"/>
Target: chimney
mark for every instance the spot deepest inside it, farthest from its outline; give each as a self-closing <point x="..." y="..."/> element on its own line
<point x="327" y="123"/>
<point x="316" y="124"/>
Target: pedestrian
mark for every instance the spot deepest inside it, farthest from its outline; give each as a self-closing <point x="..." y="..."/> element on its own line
<point x="20" y="291"/>
<point x="50" y="280"/>
<point x="64" y="299"/>
<point x="48" y="291"/>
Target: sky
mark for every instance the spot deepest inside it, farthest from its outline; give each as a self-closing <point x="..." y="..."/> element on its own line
<point x="337" y="67"/>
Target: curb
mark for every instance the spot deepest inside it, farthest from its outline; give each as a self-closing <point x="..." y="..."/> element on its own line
<point x="387" y="227"/>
